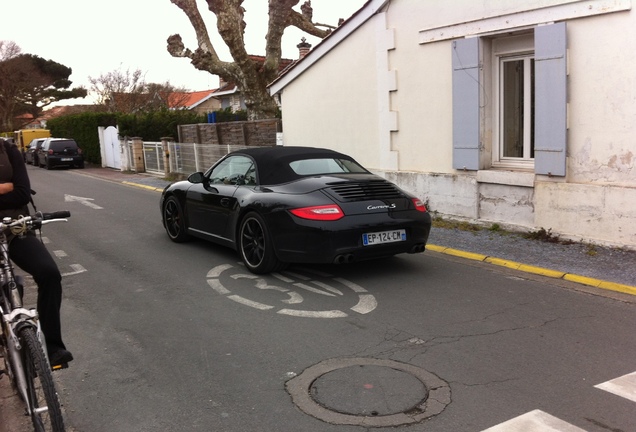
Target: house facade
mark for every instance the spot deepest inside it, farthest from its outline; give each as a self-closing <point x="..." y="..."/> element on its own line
<point x="517" y="113"/>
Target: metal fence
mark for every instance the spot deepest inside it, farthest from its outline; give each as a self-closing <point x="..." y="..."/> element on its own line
<point x="153" y="157"/>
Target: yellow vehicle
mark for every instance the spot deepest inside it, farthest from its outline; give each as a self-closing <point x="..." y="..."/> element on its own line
<point x="23" y="137"/>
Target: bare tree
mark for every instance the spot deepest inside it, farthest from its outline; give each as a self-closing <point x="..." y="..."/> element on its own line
<point x="128" y="92"/>
<point x="9" y="50"/>
<point x="119" y="91"/>
<point x="251" y="76"/>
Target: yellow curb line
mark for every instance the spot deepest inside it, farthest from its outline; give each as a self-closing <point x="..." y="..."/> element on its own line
<point x="142" y="186"/>
<point x="584" y="280"/>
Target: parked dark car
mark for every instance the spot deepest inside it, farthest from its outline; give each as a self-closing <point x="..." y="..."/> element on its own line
<point x="60" y="152"/>
<point x="283" y="205"/>
<point x="30" y="154"/>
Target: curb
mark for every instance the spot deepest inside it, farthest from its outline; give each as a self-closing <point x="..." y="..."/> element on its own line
<point x="584" y="280"/>
<point x="153" y="188"/>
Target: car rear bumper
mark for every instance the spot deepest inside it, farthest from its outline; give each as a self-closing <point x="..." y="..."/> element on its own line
<point x="303" y="241"/>
<point x="65" y="161"/>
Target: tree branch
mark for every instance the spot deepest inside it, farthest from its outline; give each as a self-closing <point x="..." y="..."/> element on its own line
<point x="231" y="27"/>
<point x="204" y="57"/>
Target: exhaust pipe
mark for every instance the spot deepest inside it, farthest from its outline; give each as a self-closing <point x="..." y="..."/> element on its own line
<point x="343" y="259"/>
<point x="418" y="248"/>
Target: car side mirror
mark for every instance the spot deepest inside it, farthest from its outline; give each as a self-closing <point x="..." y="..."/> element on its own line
<point x="197" y="177"/>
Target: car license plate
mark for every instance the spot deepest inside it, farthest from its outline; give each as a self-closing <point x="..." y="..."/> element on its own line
<point x="369" y="239"/>
<point x="66" y="159"/>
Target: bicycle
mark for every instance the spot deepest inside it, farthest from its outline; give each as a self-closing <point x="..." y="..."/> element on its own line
<point x="22" y="341"/>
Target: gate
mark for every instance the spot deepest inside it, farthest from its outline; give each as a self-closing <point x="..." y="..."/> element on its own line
<point x="111" y="146"/>
<point x="153" y="157"/>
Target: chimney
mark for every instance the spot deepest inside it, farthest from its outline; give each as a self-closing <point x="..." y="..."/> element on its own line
<point x="303" y="48"/>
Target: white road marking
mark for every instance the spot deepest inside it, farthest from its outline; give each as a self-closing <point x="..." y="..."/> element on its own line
<point x="312" y="289"/>
<point x="349" y="284"/>
<point x="60" y="253"/>
<point x="77" y="269"/>
<point x="366" y="304"/>
<point x="294" y="298"/>
<point x="327" y="287"/>
<point x="283" y="278"/>
<point x="534" y="421"/>
<point x="313" y="314"/>
<point x="85" y="201"/>
<point x="251" y="303"/>
<point x="297" y="276"/>
<point x="216" y="271"/>
<point x="624" y="386"/>
<point x="216" y="285"/>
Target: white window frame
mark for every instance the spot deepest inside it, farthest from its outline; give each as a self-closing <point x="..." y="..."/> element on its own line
<point x="504" y="49"/>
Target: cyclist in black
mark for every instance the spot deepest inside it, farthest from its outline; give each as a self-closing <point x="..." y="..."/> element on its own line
<point x="28" y="253"/>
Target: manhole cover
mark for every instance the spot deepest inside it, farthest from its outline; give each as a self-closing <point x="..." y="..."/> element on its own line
<point x="368" y="392"/>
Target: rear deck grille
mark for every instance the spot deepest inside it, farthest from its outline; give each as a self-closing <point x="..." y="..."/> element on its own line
<point x="366" y="190"/>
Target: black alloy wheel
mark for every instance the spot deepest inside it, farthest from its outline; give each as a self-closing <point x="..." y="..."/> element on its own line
<point x="256" y="247"/>
<point x="174" y="221"/>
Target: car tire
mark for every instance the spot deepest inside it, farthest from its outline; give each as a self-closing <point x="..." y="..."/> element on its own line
<point x="48" y="165"/>
<point x="174" y="220"/>
<point x="256" y="246"/>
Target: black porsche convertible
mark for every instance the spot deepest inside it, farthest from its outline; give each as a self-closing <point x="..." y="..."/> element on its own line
<point x="281" y="205"/>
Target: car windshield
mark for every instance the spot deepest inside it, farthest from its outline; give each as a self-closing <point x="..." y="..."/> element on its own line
<point x="307" y="167"/>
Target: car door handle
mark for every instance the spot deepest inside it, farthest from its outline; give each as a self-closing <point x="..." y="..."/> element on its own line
<point x="225" y="202"/>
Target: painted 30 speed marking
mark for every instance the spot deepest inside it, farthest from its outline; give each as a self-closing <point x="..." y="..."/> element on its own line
<point x="294" y="287"/>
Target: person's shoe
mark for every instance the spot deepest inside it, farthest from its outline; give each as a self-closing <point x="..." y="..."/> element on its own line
<point x="59" y="359"/>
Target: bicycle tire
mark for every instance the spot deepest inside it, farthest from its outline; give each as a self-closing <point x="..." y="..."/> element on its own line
<point x="46" y="412"/>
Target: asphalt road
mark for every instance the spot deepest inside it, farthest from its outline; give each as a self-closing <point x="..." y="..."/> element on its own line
<point x="178" y="337"/>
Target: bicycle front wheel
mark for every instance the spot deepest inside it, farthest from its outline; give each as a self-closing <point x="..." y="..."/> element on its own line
<point x="46" y="413"/>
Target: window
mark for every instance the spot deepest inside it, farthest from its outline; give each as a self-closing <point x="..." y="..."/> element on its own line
<point x="516" y="86"/>
<point x="235" y="103"/>
<point x="233" y="171"/>
<point x="325" y="166"/>
<point x="513" y="112"/>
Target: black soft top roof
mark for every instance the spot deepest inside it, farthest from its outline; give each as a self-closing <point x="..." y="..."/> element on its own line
<point x="272" y="163"/>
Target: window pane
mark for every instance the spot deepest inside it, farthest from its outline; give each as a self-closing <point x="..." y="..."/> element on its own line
<point x="513" y="101"/>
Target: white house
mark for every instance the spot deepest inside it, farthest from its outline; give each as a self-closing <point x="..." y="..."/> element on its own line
<point x="517" y="113"/>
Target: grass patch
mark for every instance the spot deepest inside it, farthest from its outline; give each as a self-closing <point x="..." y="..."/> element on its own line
<point x="438" y="222"/>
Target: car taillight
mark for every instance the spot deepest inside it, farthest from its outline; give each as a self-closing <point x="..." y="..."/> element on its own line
<point x="419" y="205"/>
<point x="324" y="213"/>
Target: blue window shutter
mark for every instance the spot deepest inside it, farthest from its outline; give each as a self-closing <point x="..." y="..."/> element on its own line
<point x="466" y="104"/>
<point x="550" y="108"/>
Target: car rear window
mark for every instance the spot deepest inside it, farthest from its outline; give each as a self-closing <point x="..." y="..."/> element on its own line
<point x="61" y="145"/>
<point x="325" y="166"/>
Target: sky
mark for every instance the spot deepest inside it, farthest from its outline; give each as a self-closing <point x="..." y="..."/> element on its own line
<point x="95" y="38"/>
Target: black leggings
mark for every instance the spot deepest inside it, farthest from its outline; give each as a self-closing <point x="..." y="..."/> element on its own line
<point x="31" y="255"/>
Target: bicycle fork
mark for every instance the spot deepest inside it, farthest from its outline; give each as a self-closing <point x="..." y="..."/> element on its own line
<point x="17" y="319"/>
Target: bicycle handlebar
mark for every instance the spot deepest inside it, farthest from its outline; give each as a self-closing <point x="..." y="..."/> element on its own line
<point x="56" y="215"/>
<point x="37" y="220"/>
